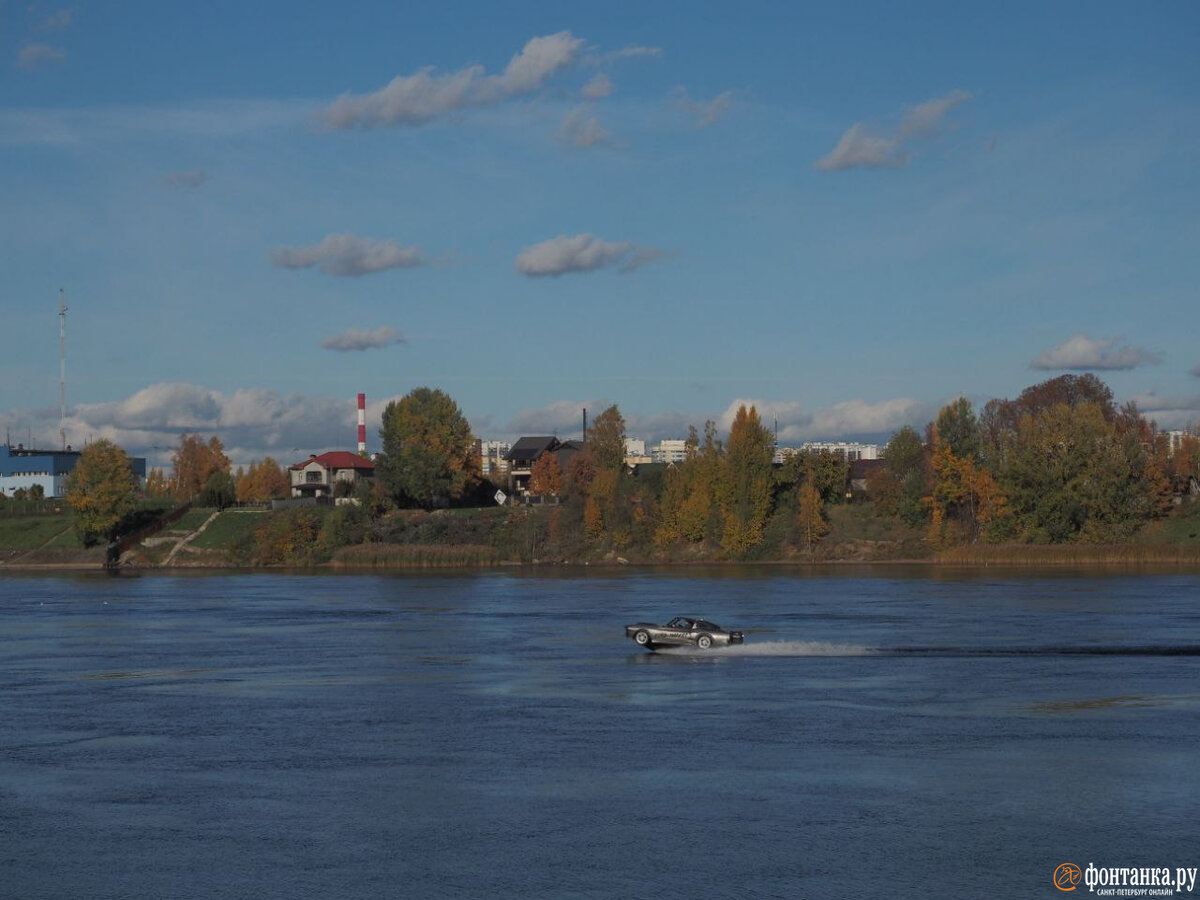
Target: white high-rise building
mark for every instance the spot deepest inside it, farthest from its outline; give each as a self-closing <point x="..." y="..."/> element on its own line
<point x="669" y="451"/>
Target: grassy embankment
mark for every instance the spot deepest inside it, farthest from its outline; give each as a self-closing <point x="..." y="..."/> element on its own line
<point x="43" y="538"/>
<point x="489" y="537"/>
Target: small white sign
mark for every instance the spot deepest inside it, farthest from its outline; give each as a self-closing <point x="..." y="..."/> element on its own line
<point x="501" y="497"/>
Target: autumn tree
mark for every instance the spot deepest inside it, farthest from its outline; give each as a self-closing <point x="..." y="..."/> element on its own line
<point x="545" y="476"/>
<point x="605" y="439"/>
<point x="101" y="491"/>
<point x="690" y="509"/>
<point x="810" y="514"/>
<point x="1000" y="418"/>
<point x="195" y="461"/>
<point x="746" y="486"/>
<point x="158" y="486"/>
<point x="964" y="499"/>
<point x="605" y="512"/>
<point x="578" y="477"/>
<point x="262" y="481"/>
<point x="429" y="450"/>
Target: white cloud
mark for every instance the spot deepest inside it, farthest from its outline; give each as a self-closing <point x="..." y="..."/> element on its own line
<point x="35" y="54"/>
<point x="632" y="51"/>
<point x="926" y="118"/>
<point x="426" y="95"/>
<point x="860" y="147"/>
<point x="192" y="178"/>
<point x="598" y="87"/>
<point x="1170" y="412"/>
<point x="581" y="253"/>
<point x="562" y="417"/>
<point x="704" y="112"/>
<point x="349" y="255"/>
<point x="251" y="422"/>
<point x="362" y="339"/>
<point x="847" y="419"/>
<point x="1081" y="352"/>
<point x="857" y="148"/>
<point x="582" y="130"/>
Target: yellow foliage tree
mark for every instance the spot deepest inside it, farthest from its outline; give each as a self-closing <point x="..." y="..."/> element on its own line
<point x="101" y="491"/>
<point x="262" y="482"/>
<point x="195" y="461"/>
<point x="963" y="492"/>
<point x="158" y="485"/>
<point x="810" y="514"/>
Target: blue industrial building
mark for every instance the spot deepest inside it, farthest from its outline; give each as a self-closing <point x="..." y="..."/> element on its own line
<point x="21" y="468"/>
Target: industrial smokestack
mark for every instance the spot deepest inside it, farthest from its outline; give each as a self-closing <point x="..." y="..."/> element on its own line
<point x="362" y="424"/>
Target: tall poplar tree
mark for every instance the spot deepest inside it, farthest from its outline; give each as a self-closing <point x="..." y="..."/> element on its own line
<point x="747" y="485"/>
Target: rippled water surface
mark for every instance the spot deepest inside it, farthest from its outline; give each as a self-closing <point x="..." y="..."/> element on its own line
<point x="886" y="733"/>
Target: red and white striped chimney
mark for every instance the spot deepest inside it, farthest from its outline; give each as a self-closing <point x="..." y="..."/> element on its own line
<point x="362" y="423"/>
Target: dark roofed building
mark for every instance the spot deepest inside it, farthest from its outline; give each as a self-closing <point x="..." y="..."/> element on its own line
<point x="522" y="456"/>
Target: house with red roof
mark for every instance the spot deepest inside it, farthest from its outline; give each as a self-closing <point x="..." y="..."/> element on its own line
<point x="317" y="476"/>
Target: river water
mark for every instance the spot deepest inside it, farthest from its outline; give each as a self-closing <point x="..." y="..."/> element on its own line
<point x="886" y="732"/>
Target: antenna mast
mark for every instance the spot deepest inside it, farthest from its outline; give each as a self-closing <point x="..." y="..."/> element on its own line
<point x="62" y="367"/>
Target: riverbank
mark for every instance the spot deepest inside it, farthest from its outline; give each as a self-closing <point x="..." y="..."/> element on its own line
<point x="207" y="539"/>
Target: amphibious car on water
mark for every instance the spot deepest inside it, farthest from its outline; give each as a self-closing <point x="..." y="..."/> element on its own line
<point x="682" y="631"/>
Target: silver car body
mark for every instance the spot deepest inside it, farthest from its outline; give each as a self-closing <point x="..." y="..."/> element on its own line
<point x="682" y="631"/>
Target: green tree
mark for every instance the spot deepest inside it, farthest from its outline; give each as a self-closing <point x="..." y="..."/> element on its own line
<point x="747" y="484"/>
<point x="827" y="470"/>
<point x="219" y="490"/>
<point x="958" y="428"/>
<point x="906" y="464"/>
<point x="429" y="450"/>
<point x="1072" y="474"/>
<point x="101" y="491"/>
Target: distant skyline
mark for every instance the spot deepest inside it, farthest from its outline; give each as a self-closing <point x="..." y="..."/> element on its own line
<point x="844" y="216"/>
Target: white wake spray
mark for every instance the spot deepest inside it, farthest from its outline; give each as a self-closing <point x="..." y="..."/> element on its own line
<point x="777" y="648"/>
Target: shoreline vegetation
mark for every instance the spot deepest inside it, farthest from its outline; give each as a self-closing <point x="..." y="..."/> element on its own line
<point x="1059" y="476"/>
<point x="212" y="539"/>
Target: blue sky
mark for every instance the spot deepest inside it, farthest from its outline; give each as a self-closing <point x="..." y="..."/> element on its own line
<point x="845" y="214"/>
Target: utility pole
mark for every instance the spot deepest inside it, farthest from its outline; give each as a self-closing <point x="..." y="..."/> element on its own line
<point x="62" y="367"/>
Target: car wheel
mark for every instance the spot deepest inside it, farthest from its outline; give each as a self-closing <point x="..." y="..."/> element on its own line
<point x="704" y="642"/>
<point x="642" y="638"/>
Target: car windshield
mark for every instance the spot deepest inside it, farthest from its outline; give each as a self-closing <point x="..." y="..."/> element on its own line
<point x="680" y="622"/>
